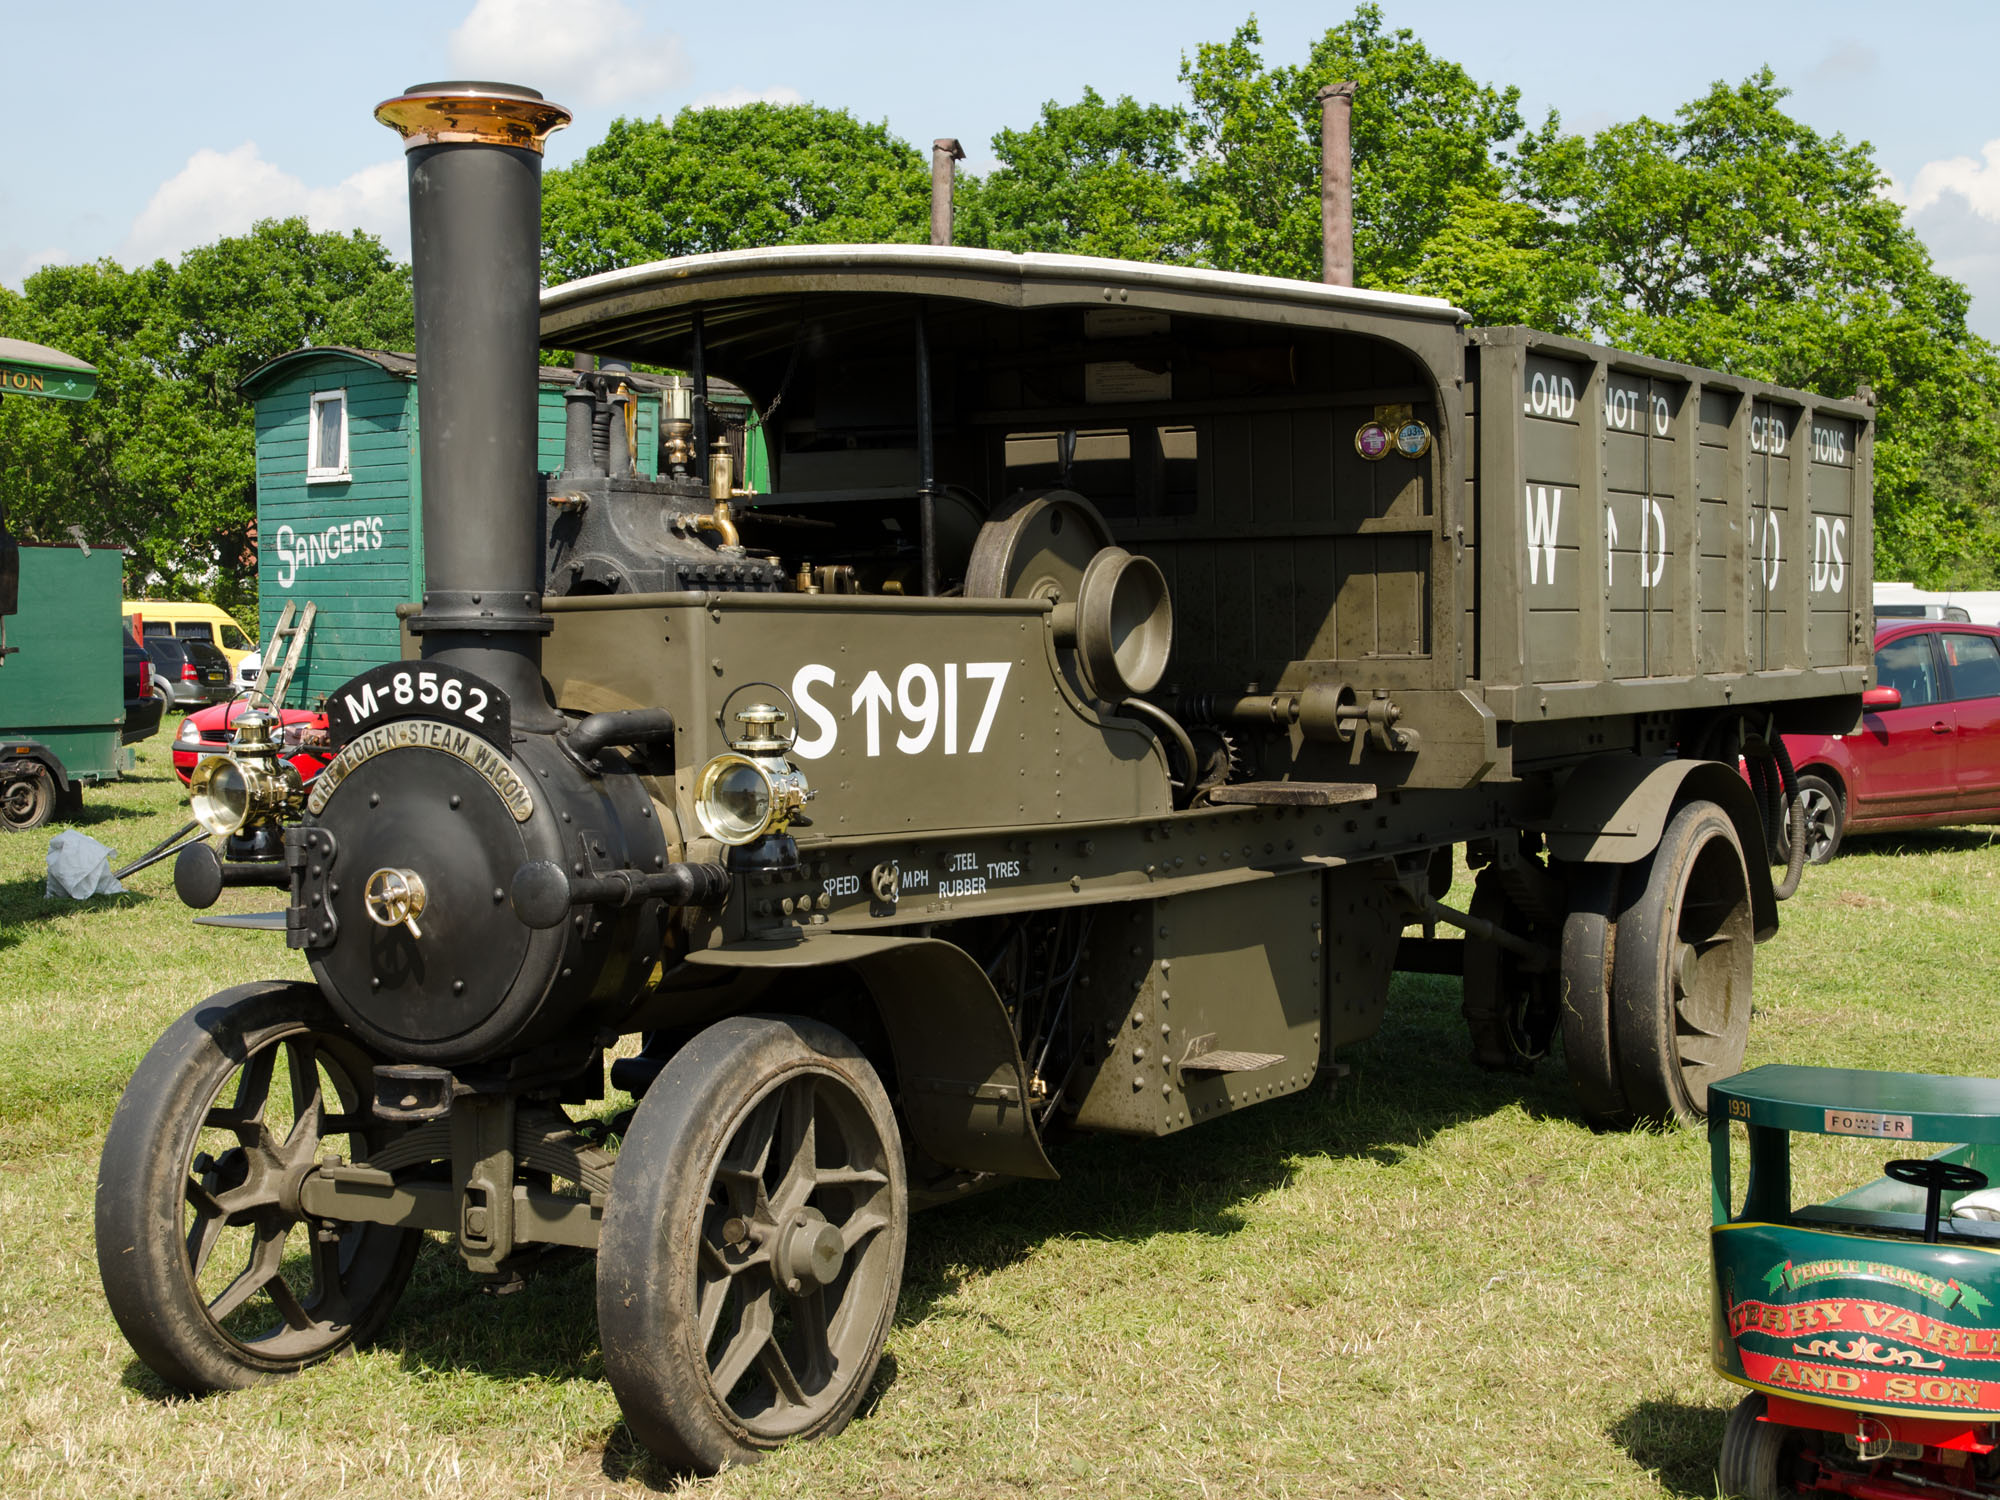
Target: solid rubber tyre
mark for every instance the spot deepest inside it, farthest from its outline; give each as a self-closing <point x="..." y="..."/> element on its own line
<point x="1589" y="940"/>
<point x="1681" y="970"/>
<point x="1757" y="1457"/>
<point x="729" y="1322"/>
<point x="153" y="1258"/>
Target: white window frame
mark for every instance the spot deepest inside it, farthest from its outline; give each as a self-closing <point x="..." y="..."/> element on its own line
<point x="318" y="470"/>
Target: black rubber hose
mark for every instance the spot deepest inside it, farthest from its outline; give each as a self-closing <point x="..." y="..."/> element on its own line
<point x="1795" y="819"/>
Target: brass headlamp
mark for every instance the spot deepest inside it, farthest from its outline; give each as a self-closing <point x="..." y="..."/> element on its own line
<point x="752" y="791"/>
<point x="249" y="786"/>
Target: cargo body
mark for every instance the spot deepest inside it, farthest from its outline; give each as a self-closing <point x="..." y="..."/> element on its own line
<point x="1650" y="536"/>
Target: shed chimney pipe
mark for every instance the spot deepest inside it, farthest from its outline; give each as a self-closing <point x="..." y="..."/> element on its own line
<point x="1336" y="184"/>
<point x="475" y="161"/>
<point x="944" y="151"/>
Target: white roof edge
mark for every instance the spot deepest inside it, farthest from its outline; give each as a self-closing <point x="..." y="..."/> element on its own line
<point x="1027" y="267"/>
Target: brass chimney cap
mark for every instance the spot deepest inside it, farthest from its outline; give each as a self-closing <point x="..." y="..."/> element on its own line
<point x="485" y="114"/>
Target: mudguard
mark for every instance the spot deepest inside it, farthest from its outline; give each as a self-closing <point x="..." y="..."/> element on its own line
<point x="32" y="750"/>
<point x="1613" y="809"/>
<point x="963" y="1086"/>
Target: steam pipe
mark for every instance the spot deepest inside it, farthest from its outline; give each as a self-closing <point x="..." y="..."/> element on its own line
<point x="944" y="151"/>
<point x="579" y="420"/>
<point x="1336" y="184"/>
<point x="474" y="152"/>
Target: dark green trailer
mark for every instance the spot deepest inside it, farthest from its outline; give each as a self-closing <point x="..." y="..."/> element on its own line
<point x="62" y="696"/>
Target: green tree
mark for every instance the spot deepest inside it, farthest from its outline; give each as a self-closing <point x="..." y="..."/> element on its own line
<point x="1428" y="141"/>
<point x="1088" y="178"/>
<point x="722" y="179"/>
<point x="1736" y="237"/>
<point x="163" y="461"/>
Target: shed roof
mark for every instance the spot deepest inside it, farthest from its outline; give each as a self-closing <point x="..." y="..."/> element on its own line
<point x="21" y="352"/>
<point x="404" y="367"/>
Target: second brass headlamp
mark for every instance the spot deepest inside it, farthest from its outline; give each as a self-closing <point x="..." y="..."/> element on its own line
<point x="753" y="790"/>
<point x="250" y="785"/>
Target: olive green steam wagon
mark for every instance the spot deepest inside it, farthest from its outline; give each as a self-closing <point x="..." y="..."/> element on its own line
<point x="1063" y="742"/>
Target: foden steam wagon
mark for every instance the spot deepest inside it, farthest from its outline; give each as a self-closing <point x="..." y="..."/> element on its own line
<point x="1063" y="741"/>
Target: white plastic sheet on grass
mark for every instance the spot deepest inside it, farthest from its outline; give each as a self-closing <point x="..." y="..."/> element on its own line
<point x="80" y="867"/>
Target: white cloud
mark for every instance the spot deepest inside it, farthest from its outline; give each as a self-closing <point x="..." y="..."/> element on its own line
<point x="225" y="192"/>
<point x="17" y="265"/>
<point x="1846" y="61"/>
<point x="735" y="98"/>
<point x="578" y="52"/>
<point x="1977" y="181"/>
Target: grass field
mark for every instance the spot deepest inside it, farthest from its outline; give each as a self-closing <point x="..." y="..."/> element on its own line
<point x="1430" y="1282"/>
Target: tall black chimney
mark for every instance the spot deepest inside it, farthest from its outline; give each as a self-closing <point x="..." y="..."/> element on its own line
<point x="475" y="159"/>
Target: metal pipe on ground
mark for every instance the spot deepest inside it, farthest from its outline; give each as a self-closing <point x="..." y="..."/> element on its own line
<point x="1336" y="184"/>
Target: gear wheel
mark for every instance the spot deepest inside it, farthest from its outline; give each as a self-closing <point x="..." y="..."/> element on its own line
<point x="1218" y="759"/>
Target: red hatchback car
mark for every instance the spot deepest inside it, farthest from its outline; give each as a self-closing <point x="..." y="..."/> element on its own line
<point x="210" y="731"/>
<point x="1927" y="754"/>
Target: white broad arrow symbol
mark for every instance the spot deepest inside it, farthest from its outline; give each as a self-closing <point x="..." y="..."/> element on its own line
<point x="876" y="694"/>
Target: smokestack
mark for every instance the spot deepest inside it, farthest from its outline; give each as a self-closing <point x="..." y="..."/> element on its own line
<point x="1336" y="184"/>
<point x="475" y="160"/>
<point x="944" y="151"/>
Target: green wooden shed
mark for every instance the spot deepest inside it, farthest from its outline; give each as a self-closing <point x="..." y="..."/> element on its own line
<point x="340" y="497"/>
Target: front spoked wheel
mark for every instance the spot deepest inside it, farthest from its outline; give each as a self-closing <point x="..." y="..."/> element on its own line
<point x="214" y="1273"/>
<point x="752" y="1250"/>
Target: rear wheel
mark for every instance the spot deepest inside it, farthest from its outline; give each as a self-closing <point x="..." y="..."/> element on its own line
<point x="1759" y="1459"/>
<point x="752" y="1250"/>
<point x="27" y="797"/>
<point x="1680" y="976"/>
<point x="1590" y="1049"/>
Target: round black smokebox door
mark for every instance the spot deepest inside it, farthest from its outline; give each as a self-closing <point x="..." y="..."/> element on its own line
<point x="429" y="813"/>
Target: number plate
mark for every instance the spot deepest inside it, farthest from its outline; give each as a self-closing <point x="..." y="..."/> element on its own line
<point x="419" y="690"/>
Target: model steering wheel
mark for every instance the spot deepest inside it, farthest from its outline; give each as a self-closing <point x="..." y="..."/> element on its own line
<point x="1935" y="1178"/>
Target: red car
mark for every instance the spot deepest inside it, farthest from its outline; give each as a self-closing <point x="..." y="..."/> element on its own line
<point x="1927" y="754"/>
<point x="207" y="732"/>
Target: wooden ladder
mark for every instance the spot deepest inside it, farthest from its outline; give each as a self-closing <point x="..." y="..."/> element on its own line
<point x="289" y="637"/>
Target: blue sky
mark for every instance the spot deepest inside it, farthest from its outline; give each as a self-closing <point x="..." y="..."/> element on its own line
<point x="138" y="130"/>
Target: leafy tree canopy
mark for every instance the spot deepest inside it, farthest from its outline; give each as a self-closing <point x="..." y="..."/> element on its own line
<point x="1088" y="178"/>
<point x="1731" y="236"/>
<point x="722" y="179"/>
<point x="163" y="461"/>
<point x="1423" y="132"/>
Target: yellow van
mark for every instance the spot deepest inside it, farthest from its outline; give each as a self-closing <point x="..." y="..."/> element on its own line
<point x="190" y="621"/>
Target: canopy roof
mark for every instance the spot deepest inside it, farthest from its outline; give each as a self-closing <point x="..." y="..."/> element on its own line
<point x="644" y="311"/>
<point x="37" y="370"/>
